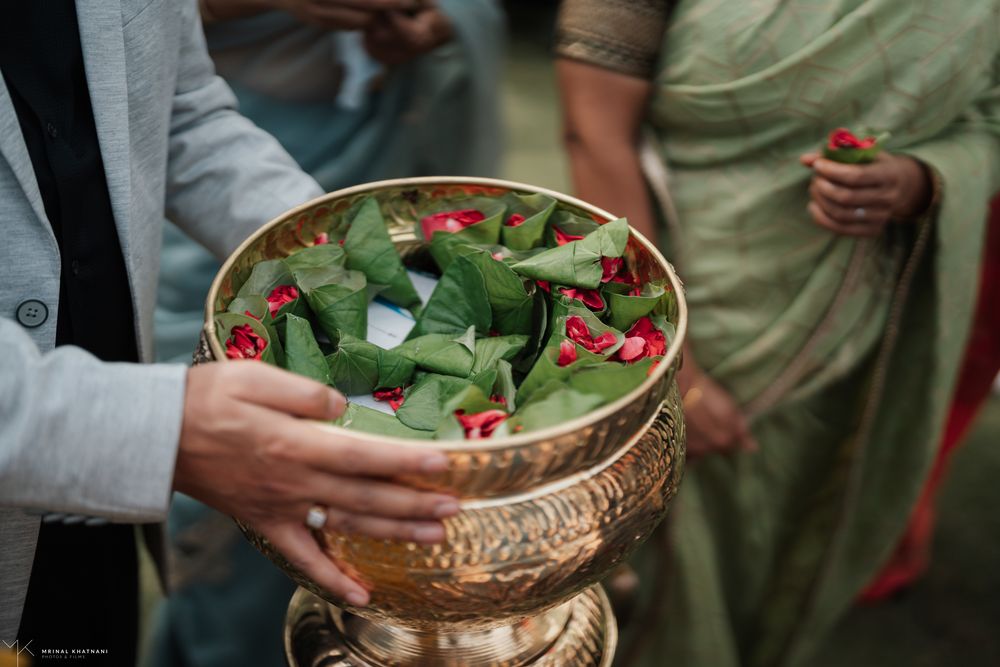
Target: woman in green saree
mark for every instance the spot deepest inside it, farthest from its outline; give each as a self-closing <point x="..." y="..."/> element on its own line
<point x="829" y="303"/>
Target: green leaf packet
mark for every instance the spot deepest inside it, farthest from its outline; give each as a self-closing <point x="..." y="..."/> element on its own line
<point x="360" y="418"/>
<point x="865" y="153"/>
<point x="447" y="354"/>
<point x="533" y="212"/>
<point x="226" y="322"/>
<point x="302" y="352"/>
<point x="569" y="224"/>
<point x="578" y="263"/>
<point x="359" y="367"/>
<point x="472" y="400"/>
<point x="264" y="279"/>
<point x="423" y="407"/>
<point x="624" y="309"/>
<point x="338" y="297"/>
<point x="369" y="249"/>
<point x="459" y="300"/>
<point x="486" y="231"/>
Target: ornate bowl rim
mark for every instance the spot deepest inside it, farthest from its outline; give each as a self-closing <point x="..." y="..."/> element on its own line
<point x="512" y="441"/>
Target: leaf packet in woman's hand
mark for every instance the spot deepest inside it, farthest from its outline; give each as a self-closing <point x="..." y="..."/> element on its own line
<point x="846" y="147"/>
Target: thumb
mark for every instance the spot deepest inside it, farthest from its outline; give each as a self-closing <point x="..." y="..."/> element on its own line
<point x="809" y="159"/>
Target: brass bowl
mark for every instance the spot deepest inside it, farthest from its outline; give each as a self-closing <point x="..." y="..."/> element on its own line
<point x="546" y="513"/>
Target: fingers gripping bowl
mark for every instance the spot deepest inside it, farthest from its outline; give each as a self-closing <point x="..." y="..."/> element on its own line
<point x="546" y="513"/>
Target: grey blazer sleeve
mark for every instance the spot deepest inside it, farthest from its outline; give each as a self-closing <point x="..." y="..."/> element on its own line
<point x="225" y="176"/>
<point x="81" y="436"/>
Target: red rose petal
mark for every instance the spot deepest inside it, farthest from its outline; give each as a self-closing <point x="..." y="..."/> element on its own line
<point x="562" y="238"/>
<point x="243" y="343"/>
<point x="544" y="285"/>
<point x="611" y="267"/>
<point x="393" y="396"/>
<point x="604" y="341"/>
<point x="655" y="341"/>
<point x="450" y="221"/>
<point x="515" y="220"/>
<point x="633" y="349"/>
<point x="481" y="425"/>
<point x="279" y="296"/>
<point x="567" y="353"/>
<point x="590" y="297"/>
<point x="321" y="239"/>
<point x="842" y="138"/>
<point x="578" y="331"/>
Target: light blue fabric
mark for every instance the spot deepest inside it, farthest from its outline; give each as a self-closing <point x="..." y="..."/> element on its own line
<point x="437" y="115"/>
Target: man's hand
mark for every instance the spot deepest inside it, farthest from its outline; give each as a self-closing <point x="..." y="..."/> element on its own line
<point x="861" y="199"/>
<point x="394" y="38"/>
<point x="715" y="423"/>
<point x="247" y="451"/>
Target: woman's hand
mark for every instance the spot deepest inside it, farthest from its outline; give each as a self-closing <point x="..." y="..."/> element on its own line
<point x="861" y="199"/>
<point x="246" y="450"/>
<point x="394" y="38"/>
<point x="715" y="423"/>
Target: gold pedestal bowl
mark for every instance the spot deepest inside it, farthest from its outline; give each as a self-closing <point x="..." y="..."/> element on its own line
<point x="545" y="514"/>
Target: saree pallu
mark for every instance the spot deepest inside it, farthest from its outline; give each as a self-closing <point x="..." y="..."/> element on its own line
<point x="842" y="351"/>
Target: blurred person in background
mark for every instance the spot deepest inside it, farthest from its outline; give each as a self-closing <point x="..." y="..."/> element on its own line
<point x="355" y="94"/>
<point x="830" y="304"/>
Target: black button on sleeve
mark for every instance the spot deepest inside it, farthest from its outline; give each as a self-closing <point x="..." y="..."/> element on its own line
<point x="32" y="313"/>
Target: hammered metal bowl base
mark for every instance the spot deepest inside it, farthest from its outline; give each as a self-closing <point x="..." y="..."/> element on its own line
<point x="582" y="632"/>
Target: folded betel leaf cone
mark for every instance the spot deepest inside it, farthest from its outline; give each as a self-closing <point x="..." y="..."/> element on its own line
<point x="245" y="337"/>
<point x="564" y="226"/>
<point x="589" y="331"/>
<point x="338" y="297"/>
<point x="394" y="370"/>
<point x="317" y="256"/>
<point x="477" y="222"/>
<point x="473" y="219"/>
<point x="471" y="415"/>
<point x="526" y="220"/>
<point x="626" y="303"/>
<point x="504" y="387"/>
<point x="360" y="418"/>
<point x="848" y="148"/>
<point x="359" y="367"/>
<point x="442" y="353"/>
<point x="578" y="263"/>
<point x="302" y="353"/>
<point x="557" y="406"/>
<point x="258" y="308"/>
<point x="459" y="300"/>
<point x="370" y="250"/>
<point x="265" y="277"/>
<point x="494" y="348"/>
<point x="665" y="325"/>
<point x="511" y="298"/>
<point x="275" y="288"/>
<point x="612" y="380"/>
<point x="558" y="360"/>
<point x="425" y="400"/>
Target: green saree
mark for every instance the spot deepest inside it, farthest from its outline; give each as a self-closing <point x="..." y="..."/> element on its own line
<point x="843" y="352"/>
